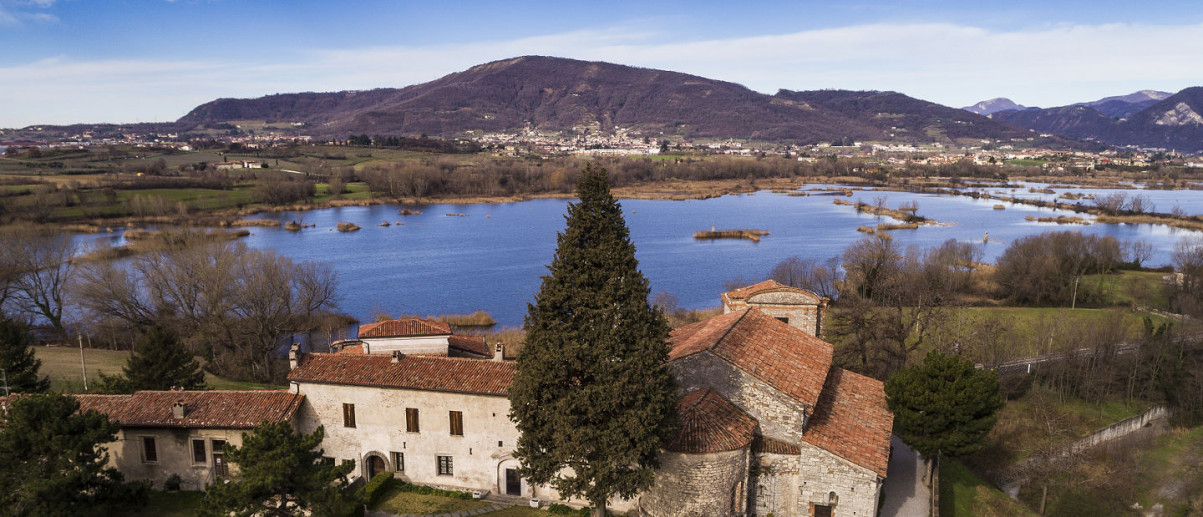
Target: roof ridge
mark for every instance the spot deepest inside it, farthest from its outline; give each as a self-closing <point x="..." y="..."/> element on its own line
<point x="731" y="327"/>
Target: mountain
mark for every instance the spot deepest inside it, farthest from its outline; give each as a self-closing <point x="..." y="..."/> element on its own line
<point x="1123" y="106"/>
<point x="906" y="118"/>
<point x="994" y="105"/>
<point x="556" y="94"/>
<point x="1173" y="122"/>
<point x="548" y="94"/>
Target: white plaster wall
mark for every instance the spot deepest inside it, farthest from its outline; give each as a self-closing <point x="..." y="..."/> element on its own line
<point x="489" y="436"/>
<point x="174" y="447"/>
<point x="407" y="345"/>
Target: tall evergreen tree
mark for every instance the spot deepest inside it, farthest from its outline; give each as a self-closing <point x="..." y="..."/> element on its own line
<point x="593" y="397"/>
<point x="159" y="362"/>
<point x="52" y="461"/>
<point x="18" y="361"/>
<point x="945" y="405"/>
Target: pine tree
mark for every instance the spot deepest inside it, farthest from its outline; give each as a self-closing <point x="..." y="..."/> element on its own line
<point x="281" y="472"/>
<point x="159" y="362"/>
<point x="944" y="406"/>
<point x="593" y="392"/>
<point x="53" y="462"/>
<point x="18" y="361"/>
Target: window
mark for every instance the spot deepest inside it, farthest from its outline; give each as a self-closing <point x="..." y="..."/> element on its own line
<point x="150" y="453"/>
<point x="457" y="423"/>
<point x="198" y="451"/>
<point x="348" y="415"/>
<point x="328" y="461"/>
<point x="822" y="510"/>
<point x="411" y="420"/>
<point x="445" y="467"/>
<point x="399" y="461"/>
<point x="783" y="319"/>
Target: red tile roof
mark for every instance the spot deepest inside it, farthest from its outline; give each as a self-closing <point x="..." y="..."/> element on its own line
<point x="853" y="421"/>
<point x="768" y="445"/>
<point x="789" y="359"/>
<point x="473" y="345"/>
<point x="203" y="409"/>
<point x="711" y="423"/>
<point x="744" y="292"/>
<point x="416" y="372"/>
<point x="402" y="328"/>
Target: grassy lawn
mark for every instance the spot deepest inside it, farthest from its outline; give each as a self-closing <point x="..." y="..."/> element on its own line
<point x="963" y="494"/>
<point x="171" y="504"/>
<point x="398" y="502"/>
<point x="1128" y="288"/>
<point x="1041" y="330"/>
<point x="1171" y="473"/>
<point x="61" y="364"/>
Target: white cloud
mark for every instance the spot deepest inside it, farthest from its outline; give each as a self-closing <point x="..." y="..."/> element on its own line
<point x="951" y="64"/>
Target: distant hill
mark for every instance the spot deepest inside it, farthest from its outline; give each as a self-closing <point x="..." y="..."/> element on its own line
<point x="1173" y="122"/>
<point x="994" y="105"/>
<point x="1123" y="106"/>
<point x="906" y="118"/>
<point x="555" y="94"/>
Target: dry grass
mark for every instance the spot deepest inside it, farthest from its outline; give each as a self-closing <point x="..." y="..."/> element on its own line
<point x="477" y="319"/>
<point x="292" y="226"/>
<point x="888" y="227"/>
<point x="145" y="241"/>
<point x="347" y="227"/>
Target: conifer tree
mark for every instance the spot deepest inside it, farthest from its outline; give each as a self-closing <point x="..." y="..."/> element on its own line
<point x="593" y="392"/>
<point x="18" y="361"/>
<point x="944" y="406"/>
<point x="159" y="362"/>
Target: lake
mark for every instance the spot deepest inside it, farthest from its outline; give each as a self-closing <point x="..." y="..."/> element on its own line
<point x="491" y="256"/>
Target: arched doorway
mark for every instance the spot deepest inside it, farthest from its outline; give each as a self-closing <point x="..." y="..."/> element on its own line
<point x="375" y="465"/>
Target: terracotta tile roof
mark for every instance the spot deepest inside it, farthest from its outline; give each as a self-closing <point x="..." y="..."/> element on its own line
<point x="406" y="327"/>
<point x="242" y="409"/>
<point x="473" y="345"/>
<point x="417" y="372"/>
<point x="744" y="292"/>
<point x="789" y="359"/>
<point x="351" y="349"/>
<point x="853" y="421"/>
<point x="711" y="423"/>
<point x="766" y="445"/>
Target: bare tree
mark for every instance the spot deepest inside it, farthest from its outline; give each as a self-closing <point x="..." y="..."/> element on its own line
<point x="40" y="258"/>
<point x="820" y="278"/>
<point x="1138" y="252"/>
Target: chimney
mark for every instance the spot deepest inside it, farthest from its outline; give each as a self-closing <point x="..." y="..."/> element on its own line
<point x="177" y="410"/>
<point x="499" y="352"/>
<point x="397" y="356"/>
<point x="294" y="355"/>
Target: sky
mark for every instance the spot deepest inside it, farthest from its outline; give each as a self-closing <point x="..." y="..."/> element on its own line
<point x="122" y="61"/>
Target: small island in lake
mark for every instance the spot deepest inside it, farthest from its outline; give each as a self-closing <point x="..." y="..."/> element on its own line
<point x="752" y="235"/>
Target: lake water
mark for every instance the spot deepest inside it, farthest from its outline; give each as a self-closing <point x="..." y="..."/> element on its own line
<point x="492" y="256"/>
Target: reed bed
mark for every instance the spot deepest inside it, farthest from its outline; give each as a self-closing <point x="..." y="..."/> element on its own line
<point x="477" y="319"/>
<point x="1061" y="219"/>
<point x="842" y="202"/>
<point x="347" y="227"/>
<point x="293" y="226"/>
<point x="267" y="223"/>
<point x="751" y="235"/>
<point x="866" y="229"/>
<point x="904" y="226"/>
<point x="406" y="211"/>
<point x="1000" y="207"/>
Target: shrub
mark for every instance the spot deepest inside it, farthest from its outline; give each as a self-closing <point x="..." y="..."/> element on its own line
<point x="379" y="483"/>
<point x="427" y="490"/>
<point x="172" y="483"/>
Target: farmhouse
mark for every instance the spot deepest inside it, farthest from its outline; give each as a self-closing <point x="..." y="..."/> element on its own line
<point x="768" y="425"/>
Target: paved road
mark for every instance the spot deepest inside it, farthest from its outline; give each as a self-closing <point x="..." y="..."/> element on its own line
<point x="905" y="494"/>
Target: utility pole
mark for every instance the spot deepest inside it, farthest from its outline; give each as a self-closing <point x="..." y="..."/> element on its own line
<point x="83" y="366"/>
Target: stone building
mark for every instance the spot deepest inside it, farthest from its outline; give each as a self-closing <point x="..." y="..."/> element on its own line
<point x="182" y="432"/>
<point x="767" y="424"/>
<point x="798" y="307"/>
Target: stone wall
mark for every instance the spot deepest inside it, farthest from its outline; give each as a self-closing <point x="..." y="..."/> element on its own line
<point x="780" y="416"/>
<point x="820" y="474"/>
<point x="699" y="485"/>
<point x="775" y="485"/>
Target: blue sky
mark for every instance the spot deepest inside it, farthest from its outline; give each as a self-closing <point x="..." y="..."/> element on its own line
<point x="65" y="61"/>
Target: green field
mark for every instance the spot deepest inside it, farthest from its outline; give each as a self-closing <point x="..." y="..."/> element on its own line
<point x="963" y="494"/>
<point x="62" y="365"/>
